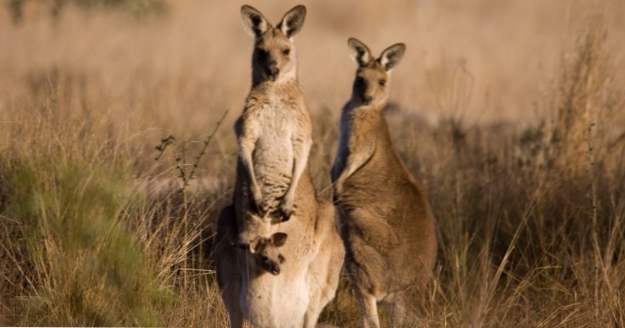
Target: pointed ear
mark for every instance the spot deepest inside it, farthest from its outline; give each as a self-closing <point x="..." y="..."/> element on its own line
<point x="391" y="56"/>
<point x="278" y="239"/>
<point x="293" y="21"/>
<point x="254" y="21"/>
<point x="360" y="52"/>
<point x="254" y="246"/>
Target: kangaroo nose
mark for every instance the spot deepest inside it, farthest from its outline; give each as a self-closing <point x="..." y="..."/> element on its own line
<point x="367" y="98"/>
<point x="275" y="270"/>
<point x="273" y="70"/>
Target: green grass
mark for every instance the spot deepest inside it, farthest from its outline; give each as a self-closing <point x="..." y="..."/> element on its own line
<point x="89" y="268"/>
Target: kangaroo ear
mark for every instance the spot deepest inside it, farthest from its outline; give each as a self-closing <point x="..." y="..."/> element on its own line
<point x="391" y="56"/>
<point x="293" y="21"/>
<point x="254" y="21"/>
<point x="360" y="52"/>
<point x="254" y="246"/>
<point x="278" y="239"/>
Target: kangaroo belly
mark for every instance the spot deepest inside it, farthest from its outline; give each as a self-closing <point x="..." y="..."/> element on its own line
<point x="273" y="160"/>
<point x="386" y="233"/>
<point x="273" y="301"/>
<point x="273" y="165"/>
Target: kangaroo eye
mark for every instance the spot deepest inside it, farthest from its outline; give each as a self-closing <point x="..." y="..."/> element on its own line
<point x="382" y="82"/>
<point x="286" y="51"/>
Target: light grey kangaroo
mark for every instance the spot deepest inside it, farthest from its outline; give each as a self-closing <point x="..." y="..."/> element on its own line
<point x="274" y="130"/>
<point x="265" y="278"/>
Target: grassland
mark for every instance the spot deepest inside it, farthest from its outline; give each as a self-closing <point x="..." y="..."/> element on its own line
<point x="512" y="114"/>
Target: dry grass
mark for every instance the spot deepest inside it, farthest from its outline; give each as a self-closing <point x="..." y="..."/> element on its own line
<point x="511" y="113"/>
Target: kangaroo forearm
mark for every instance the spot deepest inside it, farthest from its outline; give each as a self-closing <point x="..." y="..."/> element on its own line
<point x="299" y="165"/>
<point x="349" y="169"/>
<point x="245" y="156"/>
<point x="355" y="162"/>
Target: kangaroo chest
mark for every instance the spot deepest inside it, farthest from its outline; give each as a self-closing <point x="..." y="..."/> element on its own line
<point x="275" y="119"/>
<point x="358" y="130"/>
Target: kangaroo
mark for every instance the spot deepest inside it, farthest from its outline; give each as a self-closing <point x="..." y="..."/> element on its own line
<point x="296" y="290"/>
<point x="265" y="249"/>
<point x="388" y="226"/>
<point x="274" y="135"/>
<point x="269" y="256"/>
<point x="274" y="130"/>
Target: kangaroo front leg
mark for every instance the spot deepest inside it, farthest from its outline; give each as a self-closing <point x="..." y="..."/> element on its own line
<point x="300" y="160"/>
<point x="355" y="161"/>
<point x="245" y="156"/>
<point x="369" y="310"/>
<point x="395" y="306"/>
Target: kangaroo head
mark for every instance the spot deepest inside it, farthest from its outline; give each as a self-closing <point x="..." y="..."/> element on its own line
<point x="274" y="52"/>
<point x="268" y="254"/>
<point x="252" y="237"/>
<point x="266" y="251"/>
<point x="371" y="85"/>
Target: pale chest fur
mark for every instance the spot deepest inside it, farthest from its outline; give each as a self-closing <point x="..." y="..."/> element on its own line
<point x="275" y="301"/>
<point x="277" y="120"/>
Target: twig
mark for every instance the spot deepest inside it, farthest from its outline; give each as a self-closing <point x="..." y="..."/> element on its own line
<point x="206" y="143"/>
<point x="165" y="142"/>
<point x="180" y="160"/>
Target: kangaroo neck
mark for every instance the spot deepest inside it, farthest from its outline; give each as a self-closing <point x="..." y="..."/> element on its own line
<point x="269" y="85"/>
<point x="358" y="111"/>
<point x="258" y="78"/>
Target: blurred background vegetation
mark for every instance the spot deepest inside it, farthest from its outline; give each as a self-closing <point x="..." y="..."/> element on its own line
<point x="137" y="8"/>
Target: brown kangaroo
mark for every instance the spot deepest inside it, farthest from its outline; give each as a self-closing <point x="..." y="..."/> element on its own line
<point x="388" y="227"/>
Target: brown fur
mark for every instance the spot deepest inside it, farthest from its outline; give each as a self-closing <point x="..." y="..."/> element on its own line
<point x="388" y="229"/>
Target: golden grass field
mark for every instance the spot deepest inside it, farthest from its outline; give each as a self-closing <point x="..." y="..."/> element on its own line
<point x="511" y="113"/>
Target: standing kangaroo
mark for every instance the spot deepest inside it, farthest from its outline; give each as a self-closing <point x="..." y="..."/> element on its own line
<point x="274" y="281"/>
<point x="388" y="227"/>
<point x="274" y="130"/>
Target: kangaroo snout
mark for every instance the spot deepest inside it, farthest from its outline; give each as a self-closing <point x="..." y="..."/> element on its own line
<point x="273" y="71"/>
<point x="270" y="266"/>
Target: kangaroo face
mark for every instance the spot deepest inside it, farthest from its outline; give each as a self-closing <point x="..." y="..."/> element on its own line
<point x="371" y="85"/>
<point x="265" y="250"/>
<point x="274" y="53"/>
<point x="273" y="56"/>
<point x="268" y="254"/>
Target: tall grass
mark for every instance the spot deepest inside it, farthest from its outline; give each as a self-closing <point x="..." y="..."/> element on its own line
<point x="530" y="208"/>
